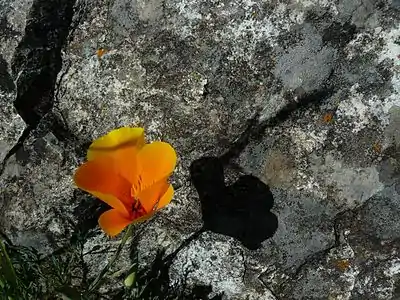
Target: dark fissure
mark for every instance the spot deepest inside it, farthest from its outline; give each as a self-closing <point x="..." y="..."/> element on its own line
<point x="37" y="59"/>
<point x="36" y="63"/>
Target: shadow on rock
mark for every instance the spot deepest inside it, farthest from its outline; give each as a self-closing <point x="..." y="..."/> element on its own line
<point x="241" y="210"/>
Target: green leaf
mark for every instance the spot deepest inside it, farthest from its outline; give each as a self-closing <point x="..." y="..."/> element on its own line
<point x="130" y="279"/>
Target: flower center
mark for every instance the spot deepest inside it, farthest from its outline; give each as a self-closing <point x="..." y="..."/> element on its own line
<point x="137" y="208"/>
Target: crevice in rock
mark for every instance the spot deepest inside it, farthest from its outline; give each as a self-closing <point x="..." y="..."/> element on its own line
<point x="315" y="257"/>
<point x="37" y="62"/>
<point x="312" y="258"/>
<point x="36" y="68"/>
<point x="338" y="228"/>
<point x="6" y="81"/>
<point x="324" y="252"/>
<point x="275" y="292"/>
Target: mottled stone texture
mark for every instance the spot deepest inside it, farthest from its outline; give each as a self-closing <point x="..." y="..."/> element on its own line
<point x="320" y="81"/>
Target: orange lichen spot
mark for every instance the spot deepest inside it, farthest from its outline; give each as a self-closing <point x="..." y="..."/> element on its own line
<point x="342" y="264"/>
<point x="129" y="175"/>
<point x="377" y="147"/>
<point x="328" y="117"/>
<point x="100" y="52"/>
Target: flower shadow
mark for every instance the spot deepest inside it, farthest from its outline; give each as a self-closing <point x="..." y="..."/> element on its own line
<point x="241" y="210"/>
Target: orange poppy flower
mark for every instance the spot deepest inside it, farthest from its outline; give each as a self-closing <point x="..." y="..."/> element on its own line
<point x="129" y="175"/>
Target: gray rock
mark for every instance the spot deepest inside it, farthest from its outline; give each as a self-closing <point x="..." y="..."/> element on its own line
<point x="37" y="195"/>
<point x="380" y="215"/>
<point x="12" y="25"/>
<point x="221" y="263"/>
<point x="320" y="81"/>
<point x="306" y="65"/>
<point x="11" y="124"/>
<point x="13" y="16"/>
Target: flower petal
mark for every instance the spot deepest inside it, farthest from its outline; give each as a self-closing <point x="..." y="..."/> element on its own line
<point x="99" y="178"/>
<point x="126" y="163"/>
<point x="111" y="200"/>
<point x="113" y="222"/>
<point x="150" y="196"/>
<point x="124" y="137"/>
<point x="156" y="162"/>
<point x="166" y="198"/>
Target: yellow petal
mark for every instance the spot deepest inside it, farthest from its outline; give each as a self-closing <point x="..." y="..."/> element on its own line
<point x="156" y="161"/>
<point x="124" y="137"/>
<point x="99" y="179"/>
<point x="113" y="222"/>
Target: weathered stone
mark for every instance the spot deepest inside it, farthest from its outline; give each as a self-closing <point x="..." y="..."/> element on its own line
<point x="219" y="262"/>
<point x="380" y="215"/>
<point x="13" y="16"/>
<point x="306" y="65"/>
<point x="11" y="124"/>
<point x="12" y="25"/>
<point x="320" y="79"/>
<point x="37" y="195"/>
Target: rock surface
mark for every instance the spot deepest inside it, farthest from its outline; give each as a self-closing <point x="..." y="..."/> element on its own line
<point x="12" y="25"/>
<point x="319" y="82"/>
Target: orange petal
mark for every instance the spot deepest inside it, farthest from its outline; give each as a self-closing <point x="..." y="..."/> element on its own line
<point x="126" y="163"/>
<point x="113" y="222"/>
<point x="156" y="162"/>
<point x="98" y="178"/>
<point x="125" y="137"/>
<point x="150" y="196"/>
<point x="111" y="200"/>
<point x="166" y="198"/>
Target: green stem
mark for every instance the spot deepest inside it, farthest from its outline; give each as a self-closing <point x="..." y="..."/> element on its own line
<point x="7" y="267"/>
<point x="98" y="279"/>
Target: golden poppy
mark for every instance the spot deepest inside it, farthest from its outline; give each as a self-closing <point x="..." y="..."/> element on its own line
<point x="129" y="175"/>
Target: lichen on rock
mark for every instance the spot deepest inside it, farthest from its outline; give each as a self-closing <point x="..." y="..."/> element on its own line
<point x="318" y="82"/>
